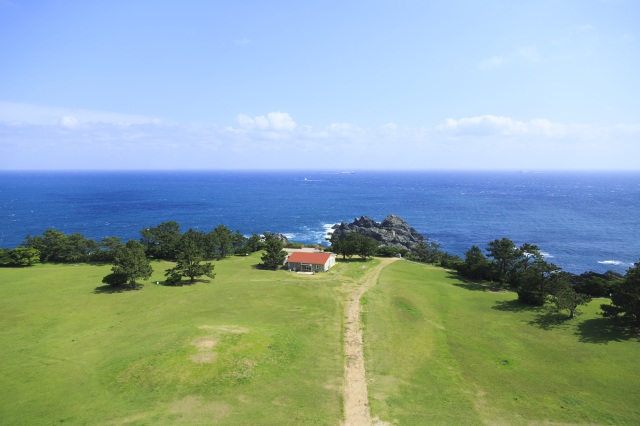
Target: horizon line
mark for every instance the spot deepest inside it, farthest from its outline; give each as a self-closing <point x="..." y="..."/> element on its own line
<point x="327" y="170"/>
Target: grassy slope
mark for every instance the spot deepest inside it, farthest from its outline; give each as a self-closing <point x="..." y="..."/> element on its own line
<point x="438" y="351"/>
<point x="72" y="353"/>
<point x="442" y="352"/>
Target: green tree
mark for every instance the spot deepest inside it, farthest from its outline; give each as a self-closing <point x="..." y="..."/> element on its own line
<point x="390" y="251"/>
<point x="108" y="247"/>
<point x="223" y="240"/>
<point x="597" y="285"/>
<point x="189" y="258"/>
<point x="79" y="248"/>
<point x="24" y="256"/>
<point x="505" y="256"/>
<point x="5" y="260"/>
<point x="427" y="252"/>
<point x="273" y="256"/>
<point x="451" y="261"/>
<point x="532" y="276"/>
<point x="363" y="245"/>
<point x="564" y="297"/>
<point x="55" y="246"/>
<point x="476" y="266"/>
<point x="160" y="242"/>
<point x="254" y="243"/>
<point x="19" y="256"/>
<point x="130" y="264"/>
<point x="625" y="299"/>
<point x="239" y="242"/>
<point x="249" y="245"/>
<point x="50" y="245"/>
<point x="342" y="244"/>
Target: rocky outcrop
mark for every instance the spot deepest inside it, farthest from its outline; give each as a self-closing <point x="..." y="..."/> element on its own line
<point x="280" y="237"/>
<point x="392" y="231"/>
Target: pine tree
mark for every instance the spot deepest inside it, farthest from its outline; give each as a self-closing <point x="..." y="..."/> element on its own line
<point x="188" y="263"/>
<point x="625" y="300"/>
<point x="566" y="298"/>
<point x="130" y="264"/>
<point x="273" y="256"/>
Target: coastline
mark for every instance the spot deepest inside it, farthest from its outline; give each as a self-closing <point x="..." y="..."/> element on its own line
<point x="583" y="220"/>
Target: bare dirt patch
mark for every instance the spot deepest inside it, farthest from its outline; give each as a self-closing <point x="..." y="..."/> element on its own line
<point x="233" y="329"/>
<point x="204" y="343"/>
<point x="207" y="344"/>
<point x="356" y="398"/>
<point x="204" y="358"/>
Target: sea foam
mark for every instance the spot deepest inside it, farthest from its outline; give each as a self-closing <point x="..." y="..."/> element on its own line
<point x="611" y="262"/>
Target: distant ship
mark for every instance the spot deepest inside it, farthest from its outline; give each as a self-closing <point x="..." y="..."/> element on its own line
<point x="348" y="173"/>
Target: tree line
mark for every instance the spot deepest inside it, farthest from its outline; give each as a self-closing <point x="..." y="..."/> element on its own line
<point x="159" y="242"/>
<point x="525" y="270"/>
<point x="522" y="269"/>
<point x="536" y="281"/>
<point x="191" y="251"/>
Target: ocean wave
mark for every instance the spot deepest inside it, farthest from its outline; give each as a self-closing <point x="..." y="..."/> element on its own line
<point x="328" y="228"/>
<point x="311" y="235"/>
<point x="611" y="262"/>
<point x="547" y="255"/>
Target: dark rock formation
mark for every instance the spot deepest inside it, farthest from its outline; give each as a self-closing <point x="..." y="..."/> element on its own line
<point x="281" y="237"/>
<point x="392" y="231"/>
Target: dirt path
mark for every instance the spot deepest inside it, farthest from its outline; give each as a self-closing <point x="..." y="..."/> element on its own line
<point x="356" y="400"/>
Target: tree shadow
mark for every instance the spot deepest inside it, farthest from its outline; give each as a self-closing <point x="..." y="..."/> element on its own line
<point x="473" y="286"/>
<point x="605" y="330"/>
<point x="102" y="289"/>
<point x="184" y="283"/>
<point x="107" y="289"/>
<point x="548" y="320"/>
<point x="261" y="267"/>
<point x="467" y="284"/>
<point x="514" y="306"/>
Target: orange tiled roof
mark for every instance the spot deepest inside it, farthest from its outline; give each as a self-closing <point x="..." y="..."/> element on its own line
<point x="313" y="258"/>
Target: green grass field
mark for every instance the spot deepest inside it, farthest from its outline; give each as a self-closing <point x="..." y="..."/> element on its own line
<point x="439" y="351"/>
<point x="250" y="347"/>
<point x="263" y="347"/>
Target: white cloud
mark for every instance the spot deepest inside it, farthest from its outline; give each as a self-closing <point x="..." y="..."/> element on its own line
<point x="68" y="122"/>
<point x="20" y="114"/>
<point x="493" y="126"/>
<point x="278" y="121"/>
<point x="275" y="140"/>
<point x="281" y="121"/>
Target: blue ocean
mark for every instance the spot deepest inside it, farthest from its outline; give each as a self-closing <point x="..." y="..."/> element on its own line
<point x="581" y="221"/>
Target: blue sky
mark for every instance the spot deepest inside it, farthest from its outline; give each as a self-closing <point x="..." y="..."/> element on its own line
<point x="546" y="84"/>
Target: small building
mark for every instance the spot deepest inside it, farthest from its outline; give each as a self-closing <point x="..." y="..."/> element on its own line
<point x="301" y="261"/>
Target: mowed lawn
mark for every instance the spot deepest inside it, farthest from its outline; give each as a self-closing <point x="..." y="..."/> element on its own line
<point x="443" y="352"/>
<point x="262" y="347"/>
<point x="249" y="347"/>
